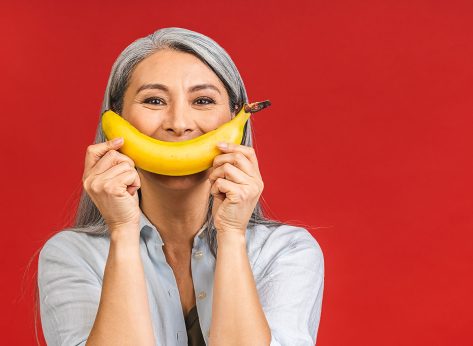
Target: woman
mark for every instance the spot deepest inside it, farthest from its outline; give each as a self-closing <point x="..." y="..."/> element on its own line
<point x="177" y="260"/>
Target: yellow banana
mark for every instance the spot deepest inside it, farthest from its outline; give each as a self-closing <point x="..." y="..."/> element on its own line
<point x="176" y="158"/>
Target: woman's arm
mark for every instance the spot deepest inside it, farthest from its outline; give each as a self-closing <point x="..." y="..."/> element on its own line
<point x="123" y="316"/>
<point x="237" y="315"/>
<point x="290" y="291"/>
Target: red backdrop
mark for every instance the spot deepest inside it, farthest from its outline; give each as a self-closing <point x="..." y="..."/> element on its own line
<point x="369" y="140"/>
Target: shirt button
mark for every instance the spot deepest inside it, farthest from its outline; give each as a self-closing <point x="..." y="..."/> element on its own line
<point x="198" y="254"/>
<point x="202" y="295"/>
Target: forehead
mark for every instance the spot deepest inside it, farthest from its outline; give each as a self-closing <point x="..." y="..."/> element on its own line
<point x="173" y="67"/>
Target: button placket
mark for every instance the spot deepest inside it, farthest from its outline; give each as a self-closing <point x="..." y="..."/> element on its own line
<point x="198" y="254"/>
<point x="202" y="295"/>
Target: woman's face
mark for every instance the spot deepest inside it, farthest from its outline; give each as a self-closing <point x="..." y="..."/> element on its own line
<point x="173" y="96"/>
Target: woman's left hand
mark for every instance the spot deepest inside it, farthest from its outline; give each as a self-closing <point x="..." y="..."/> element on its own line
<point x="236" y="187"/>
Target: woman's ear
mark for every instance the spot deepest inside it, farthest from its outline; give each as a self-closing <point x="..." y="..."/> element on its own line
<point x="235" y="109"/>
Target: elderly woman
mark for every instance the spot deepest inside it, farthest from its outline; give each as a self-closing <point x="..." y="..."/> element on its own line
<point x="177" y="260"/>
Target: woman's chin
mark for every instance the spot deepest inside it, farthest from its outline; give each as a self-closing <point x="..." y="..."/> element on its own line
<point x="183" y="182"/>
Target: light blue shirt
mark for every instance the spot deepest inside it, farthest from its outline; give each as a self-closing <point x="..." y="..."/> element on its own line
<point x="286" y="261"/>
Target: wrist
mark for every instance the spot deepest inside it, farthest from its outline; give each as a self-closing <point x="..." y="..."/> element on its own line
<point x="124" y="244"/>
<point x="233" y="237"/>
<point x="124" y="233"/>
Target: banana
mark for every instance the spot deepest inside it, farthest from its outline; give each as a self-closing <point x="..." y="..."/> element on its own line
<point x="176" y="158"/>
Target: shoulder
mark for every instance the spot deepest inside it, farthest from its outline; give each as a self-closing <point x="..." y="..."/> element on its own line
<point x="277" y="238"/>
<point x="71" y="245"/>
<point x="268" y="245"/>
<point x="74" y="240"/>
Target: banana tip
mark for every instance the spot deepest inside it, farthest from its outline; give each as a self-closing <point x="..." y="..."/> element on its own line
<point x="256" y="106"/>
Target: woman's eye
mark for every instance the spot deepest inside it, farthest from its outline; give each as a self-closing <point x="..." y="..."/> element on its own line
<point x="205" y="101"/>
<point x="158" y="102"/>
<point x="153" y="101"/>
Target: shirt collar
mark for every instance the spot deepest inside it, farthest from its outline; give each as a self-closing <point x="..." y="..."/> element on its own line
<point x="146" y="226"/>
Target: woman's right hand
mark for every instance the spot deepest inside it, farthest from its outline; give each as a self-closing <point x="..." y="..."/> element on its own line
<point x="111" y="181"/>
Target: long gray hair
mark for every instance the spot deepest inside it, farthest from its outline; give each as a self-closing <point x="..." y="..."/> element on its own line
<point x="87" y="217"/>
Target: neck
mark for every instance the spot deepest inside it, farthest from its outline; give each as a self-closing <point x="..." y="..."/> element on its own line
<point x="177" y="206"/>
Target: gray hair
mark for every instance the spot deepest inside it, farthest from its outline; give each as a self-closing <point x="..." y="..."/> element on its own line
<point x="88" y="218"/>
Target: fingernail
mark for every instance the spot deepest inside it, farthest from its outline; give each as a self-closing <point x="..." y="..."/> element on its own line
<point x="222" y="145"/>
<point x="117" y="141"/>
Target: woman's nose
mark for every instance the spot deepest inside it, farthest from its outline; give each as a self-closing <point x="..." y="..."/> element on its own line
<point x="178" y="121"/>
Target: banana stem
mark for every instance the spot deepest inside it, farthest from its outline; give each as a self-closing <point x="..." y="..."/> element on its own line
<point x="256" y="106"/>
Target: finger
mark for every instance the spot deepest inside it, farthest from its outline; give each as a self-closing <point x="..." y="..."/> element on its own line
<point x="121" y="182"/>
<point x="131" y="181"/>
<point x="226" y="187"/>
<point x="230" y="172"/>
<point x="238" y="160"/>
<point x="249" y="152"/>
<point x="110" y="159"/>
<point x="132" y="190"/>
<point x="96" y="151"/>
<point x="113" y="172"/>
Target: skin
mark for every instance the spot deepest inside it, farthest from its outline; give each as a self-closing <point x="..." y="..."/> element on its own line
<point x="177" y="205"/>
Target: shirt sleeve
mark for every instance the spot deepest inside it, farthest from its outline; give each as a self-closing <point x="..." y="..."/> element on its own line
<point x="69" y="294"/>
<point x="291" y="290"/>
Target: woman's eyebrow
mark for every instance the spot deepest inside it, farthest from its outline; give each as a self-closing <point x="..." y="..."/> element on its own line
<point x="166" y="89"/>
<point x="203" y="86"/>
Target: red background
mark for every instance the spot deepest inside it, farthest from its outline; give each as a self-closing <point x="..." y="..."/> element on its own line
<point x="369" y="140"/>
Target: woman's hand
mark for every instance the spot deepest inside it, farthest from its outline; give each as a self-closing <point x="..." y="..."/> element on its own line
<point x="111" y="181"/>
<point x="236" y="187"/>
